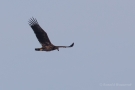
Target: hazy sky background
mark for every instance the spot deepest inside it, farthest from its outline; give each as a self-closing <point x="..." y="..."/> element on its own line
<point x="103" y="57"/>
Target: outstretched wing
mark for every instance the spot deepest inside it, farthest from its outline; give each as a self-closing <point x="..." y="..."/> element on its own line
<point x="39" y="32"/>
<point x="66" y="46"/>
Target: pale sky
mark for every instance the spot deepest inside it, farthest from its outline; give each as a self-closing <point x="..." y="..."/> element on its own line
<point x="103" y="57"/>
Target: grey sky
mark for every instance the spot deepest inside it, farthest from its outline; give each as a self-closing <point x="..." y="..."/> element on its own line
<point x="103" y="56"/>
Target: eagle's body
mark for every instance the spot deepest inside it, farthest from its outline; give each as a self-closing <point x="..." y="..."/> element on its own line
<point x="43" y="37"/>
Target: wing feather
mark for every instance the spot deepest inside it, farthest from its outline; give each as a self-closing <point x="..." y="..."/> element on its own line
<point x="66" y="46"/>
<point x="39" y="32"/>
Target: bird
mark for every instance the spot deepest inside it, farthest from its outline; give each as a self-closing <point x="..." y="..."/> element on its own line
<point x="43" y="37"/>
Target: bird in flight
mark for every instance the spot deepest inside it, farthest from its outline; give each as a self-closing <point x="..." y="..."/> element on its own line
<point x="43" y="37"/>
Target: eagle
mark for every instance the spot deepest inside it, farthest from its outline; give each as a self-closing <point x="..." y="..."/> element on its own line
<point x="43" y="37"/>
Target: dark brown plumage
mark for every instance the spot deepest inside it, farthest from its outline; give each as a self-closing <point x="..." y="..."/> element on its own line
<point x="43" y="37"/>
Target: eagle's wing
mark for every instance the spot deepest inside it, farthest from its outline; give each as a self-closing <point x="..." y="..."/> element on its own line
<point x="39" y="32"/>
<point x="66" y="46"/>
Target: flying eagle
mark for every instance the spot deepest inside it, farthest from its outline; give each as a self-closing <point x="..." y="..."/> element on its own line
<point x="43" y="37"/>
